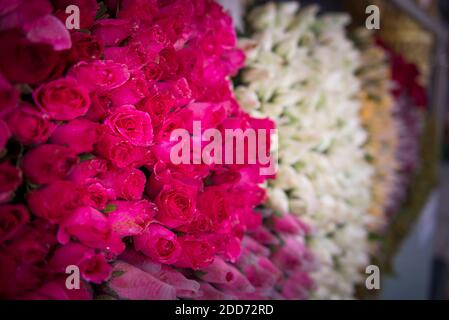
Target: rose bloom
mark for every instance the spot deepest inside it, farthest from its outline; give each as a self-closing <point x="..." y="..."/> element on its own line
<point x="80" y="135"/>
<point x="85" y="47"/>
<point x="55" y="201"/>
<point x="176" y="205"/>
<point x="131" y="218"/>
<point x="196" y="253"/>
<point x="10" y="179"/>
<point x="132" y="125"/>
<point x="127" y="183"/>
<point x="48" y="162"/>
<point x="33" y="62"/>
<point x="29" y="125"/>
<point x="62" y="99"/>
<point x="100" y="74"/>
<point x="12" y="218"/>
<point x="93" y="266"/>
<point x="158" y="243"/>
<point x="92" y="229"/>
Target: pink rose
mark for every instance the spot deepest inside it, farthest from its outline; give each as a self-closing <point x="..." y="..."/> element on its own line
<point x="15" y="278"/>
<point x="48" y="162"/>
<point x="100" y="74"/>
<point x="119" y="151"/>
<point x="9" y="96"/>
<point x="10" y="179"/>
<point x="93" y="266"/>
<point x="135" y="284"/>
<point x="88" y="169"/>
<point x="62" y="99"/>
<point x="55" y="201"/>
<point x="102" y="101"/>
<point x="176" y="205"/>
<point x="132" y="125"/>
<point x="196" y="253"/>
<point x="127" y="183"/>
<point x="158" y="243"/>
<point x="12" y="219"/>
<point x="80" y="135"/>
<point x="131" y="218"/>
<point x="29" y="125"/>
<point x="5" y="134"/>
<point x="185" y="288"/>
<point x="92" y="229"/>
<point x="95" y="195"/>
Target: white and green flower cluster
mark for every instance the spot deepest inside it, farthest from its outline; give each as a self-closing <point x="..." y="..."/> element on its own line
<point x="300" y="71"/>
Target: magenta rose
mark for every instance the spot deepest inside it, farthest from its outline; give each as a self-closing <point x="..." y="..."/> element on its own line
<point x="176" y="205"/>
<point x="130" y="218"/>
<point x="127" y="183"/>
<point x="29" y="125"/>
<point x="48" y="162"/>
<point x="158" y="243"/>
<point x="10" y="179"/>
<point x="55" y="201"/>
<point x="100" y="74"/>
<point x="94" y="194"/>
<point x="12" y="218"/>
<point x="88" y="169"/>
<point x="80" y="135"/>
<point x="196" y="253"/>
<point x="132" y="125"/>
<point x="118" y="151"/>
<point x="93" y="266"/>
<point x="62" y="99"/>
<point x="92" y="229"/>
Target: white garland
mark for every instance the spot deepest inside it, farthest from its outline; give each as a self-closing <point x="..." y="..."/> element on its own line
<point x="300" y="71"/>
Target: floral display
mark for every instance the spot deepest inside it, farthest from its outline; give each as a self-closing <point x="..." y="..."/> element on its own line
<point x="118" y="176"/>
<point x="300" y="71"/>
<point x="86" y="176"/>
<point x="377" y="113"/>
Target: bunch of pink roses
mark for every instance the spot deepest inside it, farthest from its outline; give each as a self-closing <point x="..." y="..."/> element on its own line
<point x="85" y="171"/>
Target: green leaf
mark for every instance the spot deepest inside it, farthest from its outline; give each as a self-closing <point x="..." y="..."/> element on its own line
<point x="110" y="207"/>
<point x="117" y="273"/>
<point x="86" y="156"/>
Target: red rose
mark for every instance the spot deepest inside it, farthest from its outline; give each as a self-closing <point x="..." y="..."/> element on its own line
<point x="10" y="179"/>
<point x="176" y="205"/>
<point x="12" y="218"/>
<point x="48" y="162"/>
<point x="54" y="201"/>
<point x="158" y="243"/>
<point x="29" y="125"/>
<point x="62" y="99"/>
<point x="85" y="47"/>
<point x="33" y="63"/>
